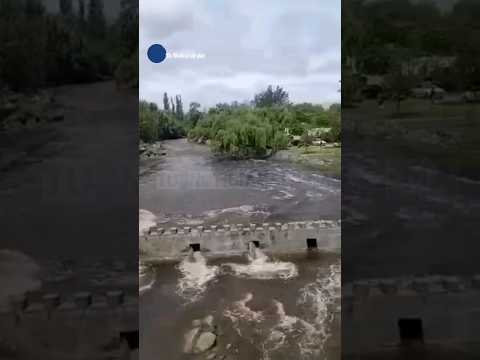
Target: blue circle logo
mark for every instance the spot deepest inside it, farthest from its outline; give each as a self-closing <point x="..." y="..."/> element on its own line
<point x="156" y="53"/>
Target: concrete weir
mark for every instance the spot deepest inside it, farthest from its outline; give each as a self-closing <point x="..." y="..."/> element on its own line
<point x="386" y="313"/>
<point x="80" y="326"/>
<point x="171" y="243"/>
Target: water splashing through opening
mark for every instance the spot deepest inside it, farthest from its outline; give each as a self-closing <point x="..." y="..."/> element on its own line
<point x="260" y="266"/>
<point x="195" y="276"/>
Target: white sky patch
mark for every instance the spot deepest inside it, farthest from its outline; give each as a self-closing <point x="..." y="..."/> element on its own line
<point x="248" y="45"/>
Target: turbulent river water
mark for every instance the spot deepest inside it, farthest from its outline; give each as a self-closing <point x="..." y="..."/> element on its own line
<point x="191" y="187"/>
<point x="264" y="307"/>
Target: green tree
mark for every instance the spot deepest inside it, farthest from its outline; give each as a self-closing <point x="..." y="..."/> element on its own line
<point x="34" y="7"/>
<point x="96" y="18"/>
<point x="241" y="133"/>
<point x="399" y="84"/>
<point x="194" y="114"/>
<point x="178" y="108"/>
<point x="66" y="8"/>
<point x="128" y="21"/>
<point x="155" y="124"/>
<point x="81" y="11"/>
<point x="271" y="97"/>
<point x="166" y="103"/>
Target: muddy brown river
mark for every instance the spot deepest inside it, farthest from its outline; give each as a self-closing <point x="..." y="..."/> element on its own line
<point x="262" y="306"/>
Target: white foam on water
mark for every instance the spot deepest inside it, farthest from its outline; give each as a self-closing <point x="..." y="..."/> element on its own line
<point x="312" y="194"/>
<point x="196" y="275"/>
<point x="285" y="195"/>
<point x="260" y="266"/>
<point x="242" y="209"/>
<point x="291" y="332"/>
<point x="312" y="183"/>
<point x="146" y="220"/>
<point x="321" y="300"/>
<point x="323" y="177"/>
<point x="304" y="335"/>
<point x="18" y="274"/>
<point x="244" y="319"/>
<point x="279" y="333"/>
<point x="143" y="282"/>
<point x="143" y="289"/>
<point x="192" y="222"/>
<point x="296" y="179"/>
<point x="240" y="311"/>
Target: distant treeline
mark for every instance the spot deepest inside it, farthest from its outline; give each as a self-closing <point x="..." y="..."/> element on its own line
<point x="240" y="130"/>
<point x="76" y="45"/>
<point x="386" y="37"/>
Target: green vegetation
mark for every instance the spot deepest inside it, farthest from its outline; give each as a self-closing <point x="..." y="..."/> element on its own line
<point x="155" y="124"/>
<point x="325" y="159"/>
<point x="243" y="131"/>
<point x="238" y="131"/>
<point x="76" y="45"/>
<point x="405" y="43"/>
<point x="447" y="135"/>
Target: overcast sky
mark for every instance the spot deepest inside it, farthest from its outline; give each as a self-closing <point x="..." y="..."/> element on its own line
<point x="248" y="44"/>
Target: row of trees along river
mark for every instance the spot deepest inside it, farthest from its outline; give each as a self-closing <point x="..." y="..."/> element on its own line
<point x="79" y="43"/>
<point x="241" y="130"/>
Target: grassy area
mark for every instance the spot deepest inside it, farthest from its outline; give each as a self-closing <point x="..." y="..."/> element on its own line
<point x="446" y="134"/>
<point x="325" y="159"/>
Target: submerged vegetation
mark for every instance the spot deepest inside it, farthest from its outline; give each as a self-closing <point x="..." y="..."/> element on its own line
<point x="250" y="130"/>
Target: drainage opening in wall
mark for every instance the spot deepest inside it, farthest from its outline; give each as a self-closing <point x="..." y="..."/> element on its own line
<point x="312" y="243"/>
<point x="411" y="330"/>
<point x="131" y="337"/>
<point x="256" y="243"/>
<point x="195" y="247"/>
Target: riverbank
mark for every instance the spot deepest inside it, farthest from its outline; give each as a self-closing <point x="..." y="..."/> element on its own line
<point x="445" y="134"/>
<point x="151" y="151"/>
<point x="62" y="187"/>
<point x="327" y="159"/>
<point x="29" y="127"/>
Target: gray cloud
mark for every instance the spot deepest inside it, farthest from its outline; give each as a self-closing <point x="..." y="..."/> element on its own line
<point x="248" y="44"/>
